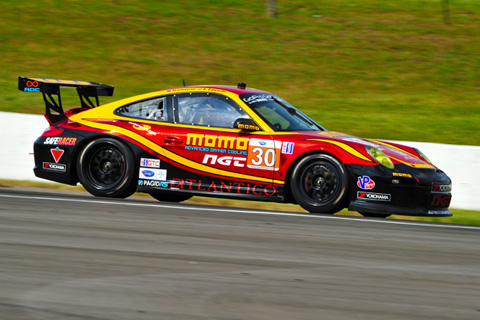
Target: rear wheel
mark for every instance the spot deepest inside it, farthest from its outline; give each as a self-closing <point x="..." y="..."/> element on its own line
<point x="319" y="184"/>
<point x="106" y="168"/>
<point x="170" y="197"/>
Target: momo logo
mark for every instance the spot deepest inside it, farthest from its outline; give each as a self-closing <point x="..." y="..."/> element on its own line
<point x="57" y="153"/>
<point x="219" y="142"/>
<point x="365" y="183"/>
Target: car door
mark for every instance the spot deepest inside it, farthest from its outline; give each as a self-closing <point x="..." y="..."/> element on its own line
<point x="211" y="155"/>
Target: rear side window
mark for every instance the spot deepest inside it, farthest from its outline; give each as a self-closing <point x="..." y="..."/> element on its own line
<point x="152" y="109"/>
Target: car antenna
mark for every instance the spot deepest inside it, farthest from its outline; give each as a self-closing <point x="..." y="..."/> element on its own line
<point x="184" y="83"/>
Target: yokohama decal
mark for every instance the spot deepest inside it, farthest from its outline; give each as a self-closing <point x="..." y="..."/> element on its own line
<point x="54" y="166"/>
<point x="374" y="196"/>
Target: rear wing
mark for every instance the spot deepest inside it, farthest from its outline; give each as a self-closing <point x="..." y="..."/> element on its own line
<point x="51" y="88"/>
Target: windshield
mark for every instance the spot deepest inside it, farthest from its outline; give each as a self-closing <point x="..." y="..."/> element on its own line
<point x="279" y="114"/>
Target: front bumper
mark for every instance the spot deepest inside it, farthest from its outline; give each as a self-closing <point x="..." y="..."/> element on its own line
<point x="404" y="191"/>
<point x="371" y="207"/>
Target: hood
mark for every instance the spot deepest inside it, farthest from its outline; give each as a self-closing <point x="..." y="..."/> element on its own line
<point x="396" y="152"/>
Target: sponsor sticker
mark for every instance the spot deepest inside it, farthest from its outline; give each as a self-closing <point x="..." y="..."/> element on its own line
<point x="374" y="196"/>
<point x="441" y="187"/>
<point x="435" y="212"/>
<point x="224" y="161"/>
<point x="287" y="147"/>
<point x="227" y="187"/>
<point x="55" y="166"/>
<point x="57" y="153"/>
<point x="440" y="200"/>
<point x="398" y="174"/>
<point x="365" y="183"/>
<point x="60" y="141"/>
<point x="263" y="154"/>
<point x="152" y="174"/>
<point x="149" y="163"/>
<point x="153" y="183"/>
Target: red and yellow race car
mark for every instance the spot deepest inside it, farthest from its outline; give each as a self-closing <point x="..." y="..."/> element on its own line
<point x="226" y="141"/>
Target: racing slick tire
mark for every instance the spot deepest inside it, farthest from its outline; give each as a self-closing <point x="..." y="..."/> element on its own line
<point x="319" y="184"/>
<point x="170" y="197"/>
<point x="106" y="168"/>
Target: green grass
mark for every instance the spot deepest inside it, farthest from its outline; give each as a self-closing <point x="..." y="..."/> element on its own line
<point x="467" y="217"/>
<point x="386" y="69"/>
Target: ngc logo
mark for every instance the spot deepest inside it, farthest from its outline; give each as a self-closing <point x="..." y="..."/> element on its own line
<point x="441" y="201"/>
<point x="224" y="161"/>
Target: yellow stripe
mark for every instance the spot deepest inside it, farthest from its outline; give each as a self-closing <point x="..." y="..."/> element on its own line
<point x="345" y="147"/>
<point x="414" y="165"/>
<point x="62" y="81"/>
<point x="106" y="111"/>
<point x="393" y="147"/>
<point x="172" y="156"/>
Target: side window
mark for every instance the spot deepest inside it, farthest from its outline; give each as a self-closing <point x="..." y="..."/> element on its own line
<point x="209" y="110"/>
<point x="153" y="109"/>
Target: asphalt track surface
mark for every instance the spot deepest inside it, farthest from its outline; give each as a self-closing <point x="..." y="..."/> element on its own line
<point x="66" y="255"/>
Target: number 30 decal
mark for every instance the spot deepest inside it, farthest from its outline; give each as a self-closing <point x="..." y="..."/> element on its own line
<point x="263" y="154"/>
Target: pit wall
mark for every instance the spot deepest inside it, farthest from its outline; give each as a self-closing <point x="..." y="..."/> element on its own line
<point x="461" y="163"/>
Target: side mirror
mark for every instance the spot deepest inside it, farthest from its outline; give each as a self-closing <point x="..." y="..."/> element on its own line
<point x="245" y="124"/>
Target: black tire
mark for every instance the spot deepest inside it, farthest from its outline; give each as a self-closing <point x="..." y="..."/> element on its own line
<point x="375" y="215"/>
<point x="170" y="197"/>
<point x="106" y="168"/>
<point x="319" y="184"/>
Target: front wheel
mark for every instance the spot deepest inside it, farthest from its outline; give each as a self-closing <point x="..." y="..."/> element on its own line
<point x="106" y="168"/>
<point x="319" y="184"/>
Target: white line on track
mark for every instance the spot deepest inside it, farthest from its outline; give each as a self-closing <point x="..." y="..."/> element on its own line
<point x="285" y="214"/>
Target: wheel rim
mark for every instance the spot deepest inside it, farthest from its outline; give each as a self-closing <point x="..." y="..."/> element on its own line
<point x="320" y="182"/>
<point x="106" y="167"/>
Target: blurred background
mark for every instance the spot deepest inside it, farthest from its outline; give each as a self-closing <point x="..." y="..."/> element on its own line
<point x="389" y="69"/>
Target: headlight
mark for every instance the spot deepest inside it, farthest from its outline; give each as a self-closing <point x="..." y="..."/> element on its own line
<point x="381" y="157"/>
<point x="422" y="155"/>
